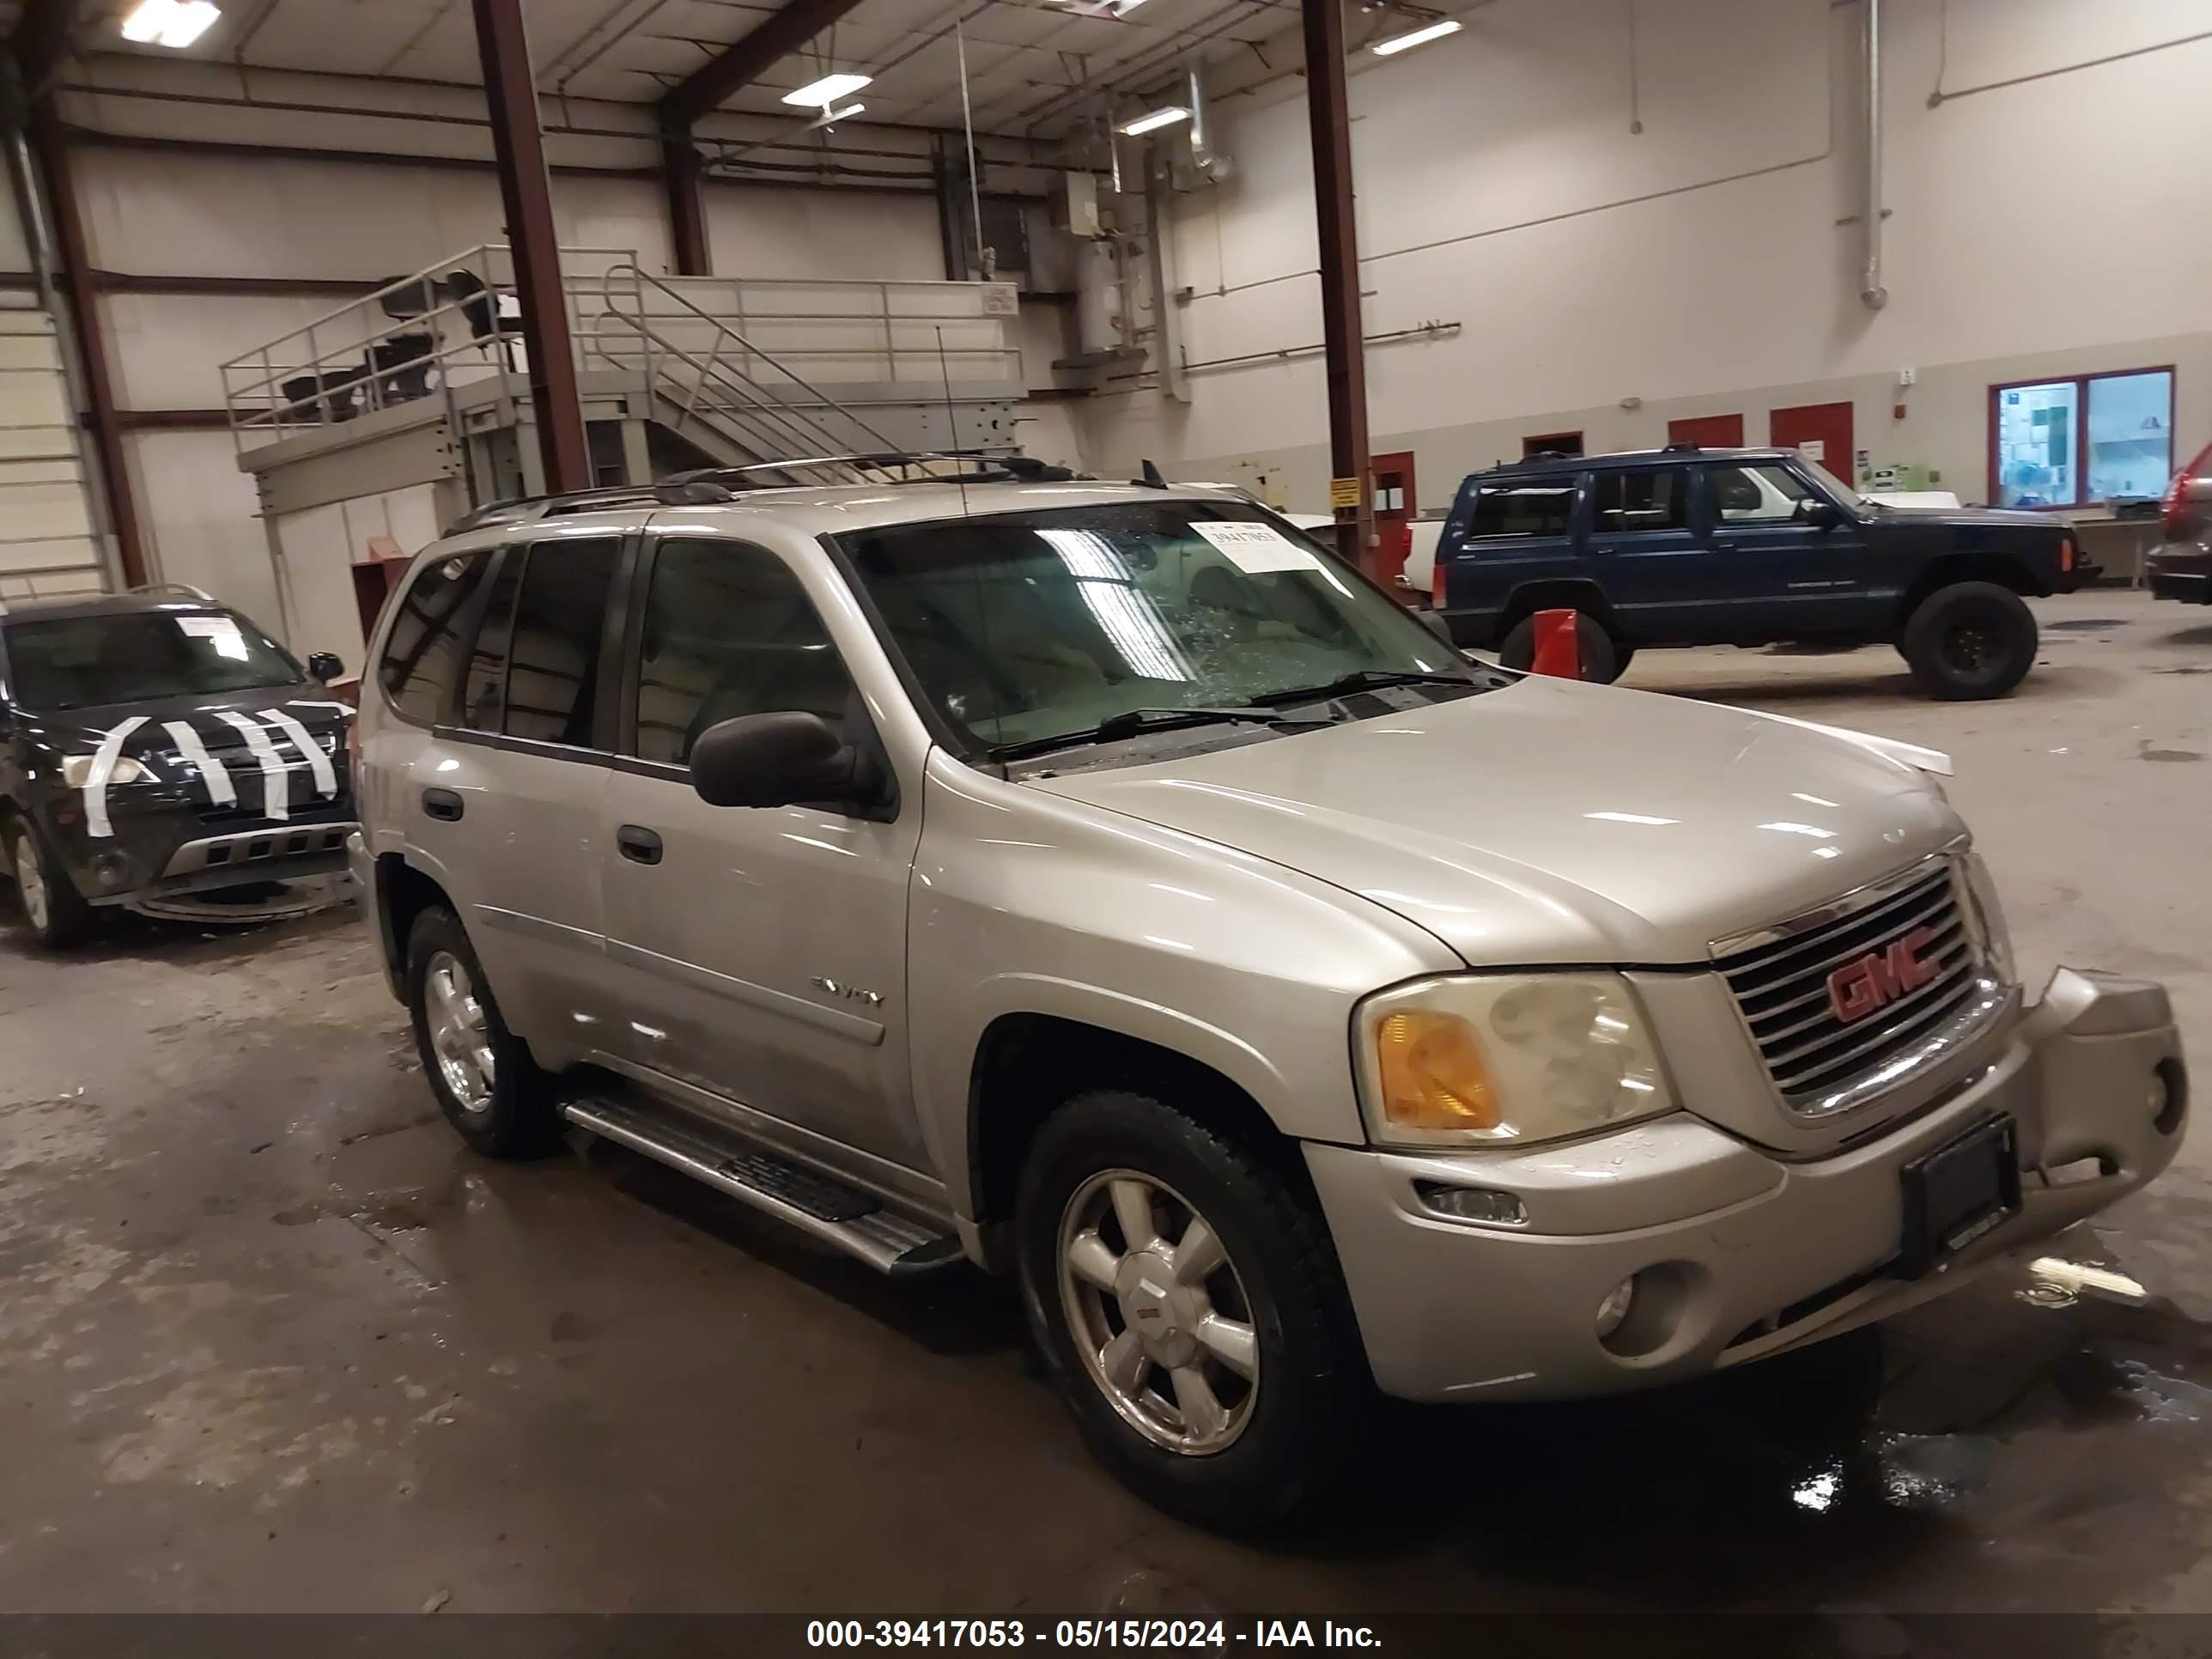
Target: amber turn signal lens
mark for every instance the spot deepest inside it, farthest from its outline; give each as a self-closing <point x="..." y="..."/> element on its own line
<point x="1432" y="1073"/>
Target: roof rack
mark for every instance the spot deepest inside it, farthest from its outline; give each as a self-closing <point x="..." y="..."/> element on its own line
<point x="200" y="594"/>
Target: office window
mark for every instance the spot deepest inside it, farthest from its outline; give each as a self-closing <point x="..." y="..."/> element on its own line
<point x="421" y="655"/>
<point x="1551" y="443"/>
<point x="552" y="675"/>
<point x="2081" y="439"/>
<point x="1524" y="509"/>
<point x="1641" y="498"/>
<point x="729" y="631"/>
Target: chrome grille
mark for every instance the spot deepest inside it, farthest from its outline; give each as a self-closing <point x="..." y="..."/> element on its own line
<point x="1823" y="1063"/>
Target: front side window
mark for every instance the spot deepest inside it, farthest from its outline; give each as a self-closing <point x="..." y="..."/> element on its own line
<point x="1028" y="626"/>
<point x="1530" y="508"/>
<point x="560" y="614"/>
<point x="79" y="662"/>
<point x="1641" y="498"/>
<point x="422" y="652"/>
<point x="729" y="632"/>
<point x="1754" y="494"/>
<point x="2082" y="440"/>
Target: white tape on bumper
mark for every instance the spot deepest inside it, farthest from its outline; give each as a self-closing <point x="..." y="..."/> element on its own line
<point x="326" y="779"/>
<point x="103" y="767"/>
<point x="212" y="771"/>
<point x="275" y="781"/>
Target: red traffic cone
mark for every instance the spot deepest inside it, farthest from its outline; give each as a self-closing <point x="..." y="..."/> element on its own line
<point x="1558" y="646"/>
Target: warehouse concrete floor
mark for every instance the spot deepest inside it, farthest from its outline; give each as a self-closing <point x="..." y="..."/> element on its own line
<point x="271" y="1340"/>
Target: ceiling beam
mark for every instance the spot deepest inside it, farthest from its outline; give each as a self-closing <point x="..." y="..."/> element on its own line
<point x="708" y="87"/>
<point x="44" y="34"/>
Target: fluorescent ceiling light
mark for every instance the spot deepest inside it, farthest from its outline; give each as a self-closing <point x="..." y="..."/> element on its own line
<point x="827" y="90"/>
<point x="1420" y="37"/>
<point x="1159" y="117"/>
<point x="170" y="22"/>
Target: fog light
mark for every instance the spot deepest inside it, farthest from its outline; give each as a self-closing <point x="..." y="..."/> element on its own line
<point x="2168" y="1096"/>
<point x="1473" y="1204"/>
<point x="2156" y="1096"/>
<point x="111" y="869"/>
<point x="1615" y="1308"/>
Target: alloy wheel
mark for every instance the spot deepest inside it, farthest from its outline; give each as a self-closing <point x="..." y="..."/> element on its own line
<point x="459" y="1035"/>
<point x="31" y="884"/>
<point x="1159" y="1312"/>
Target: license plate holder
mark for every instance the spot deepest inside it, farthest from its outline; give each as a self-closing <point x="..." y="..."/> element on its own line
<point x="1957" y="1193"/>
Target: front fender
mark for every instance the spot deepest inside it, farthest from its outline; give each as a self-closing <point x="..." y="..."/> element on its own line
<point x="1025" y="902"/>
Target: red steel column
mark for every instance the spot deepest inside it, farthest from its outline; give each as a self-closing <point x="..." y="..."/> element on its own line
<point x="525" y="191"/>
<point x="106" y="430"/>
<point x="1327" y="106"/>
<point x="687" y="207"/>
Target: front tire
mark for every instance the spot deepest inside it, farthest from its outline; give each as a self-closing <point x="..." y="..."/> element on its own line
<point x="1187" y="1297"/>
<point x="1603" y="659"/>
<point x="487" y="1083"/>
<point x="55" y="911"/>
<point x="1969" y="641"/>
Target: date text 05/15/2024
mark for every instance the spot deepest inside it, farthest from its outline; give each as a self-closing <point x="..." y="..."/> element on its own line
<point x="1082" y="1633"/>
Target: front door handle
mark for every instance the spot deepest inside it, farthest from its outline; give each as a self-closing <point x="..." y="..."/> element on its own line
<point x="442" y="805"/>
<point x="639" y="844"/>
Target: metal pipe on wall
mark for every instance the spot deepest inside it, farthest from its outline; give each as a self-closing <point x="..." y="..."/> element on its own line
<point x="1328" y="110"/>
<point x="1871" y="291"/>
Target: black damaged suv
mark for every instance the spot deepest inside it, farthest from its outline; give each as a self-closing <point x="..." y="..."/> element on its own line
<point x="1691" y="546"/>
<point x="158" y="752"/>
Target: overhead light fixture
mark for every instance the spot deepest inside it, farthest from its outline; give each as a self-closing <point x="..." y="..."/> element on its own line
<point x="820" y="95"/>
<point x="1419" y="37"/>
<point x="1156" y="119"/>
<point x="174" y="23"/>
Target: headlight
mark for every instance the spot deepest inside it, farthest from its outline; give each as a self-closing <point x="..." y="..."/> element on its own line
<point x="77" y="768"/>
<point x="1983" y="890"/>
<point x="1475" y="1059"/>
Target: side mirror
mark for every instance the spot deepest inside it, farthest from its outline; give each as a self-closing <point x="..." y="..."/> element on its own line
<point x="326" y="666"/>
<point x="1820" y="514"/>
<point x="783" y="759"/>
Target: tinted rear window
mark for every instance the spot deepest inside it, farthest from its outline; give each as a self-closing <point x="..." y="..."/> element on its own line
<point x="423" y="653"/>
<point x="1544" y="507"/>
<point x="560" y="617"/>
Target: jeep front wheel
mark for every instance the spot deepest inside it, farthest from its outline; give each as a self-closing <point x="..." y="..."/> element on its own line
<point x="57" y="914"/>
<point x="1969" y="641"/>
<point x="1187" y="1298"/>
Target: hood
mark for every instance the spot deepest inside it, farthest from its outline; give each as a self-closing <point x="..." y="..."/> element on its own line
<point x="1553" y="822"/>
<point x="1966" y="517"/>
<point x="79" y="730"/>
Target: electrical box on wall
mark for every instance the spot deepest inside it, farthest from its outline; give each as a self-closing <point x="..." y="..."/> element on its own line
<point x="1079" y="204"/>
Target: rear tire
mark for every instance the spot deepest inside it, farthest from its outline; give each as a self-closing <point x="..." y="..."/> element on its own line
<point x="1603" y="660"/>
<point x="487" y="1083"/>
<point x="1235" y="1451"/>
<point x="1969" y="641"/>
<point x="54" y="909"/>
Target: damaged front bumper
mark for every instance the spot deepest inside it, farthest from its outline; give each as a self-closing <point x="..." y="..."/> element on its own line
<point x="161" y="850"/>
<point x="1735" y="1253"/>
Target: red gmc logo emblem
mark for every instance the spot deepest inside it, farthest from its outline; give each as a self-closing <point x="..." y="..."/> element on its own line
<point x="1857" y="988"/>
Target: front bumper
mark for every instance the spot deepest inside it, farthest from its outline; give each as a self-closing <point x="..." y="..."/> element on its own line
<point x="166" y="850"/>
<point x="1746" y="1254"/>
<point x="2180" y="571"/>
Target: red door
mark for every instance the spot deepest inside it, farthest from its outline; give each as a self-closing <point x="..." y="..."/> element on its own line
<point x="1394" y="510"/>
<point x="1708" y="431"/>
<point x="1823" y="431"/>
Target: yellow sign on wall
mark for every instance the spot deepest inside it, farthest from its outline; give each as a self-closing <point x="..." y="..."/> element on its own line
<point x="1343" y="492"/>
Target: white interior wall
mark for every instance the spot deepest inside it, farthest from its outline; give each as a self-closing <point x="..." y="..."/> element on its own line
<point x="178" y="213"/>
<point x="1700" y="265"/>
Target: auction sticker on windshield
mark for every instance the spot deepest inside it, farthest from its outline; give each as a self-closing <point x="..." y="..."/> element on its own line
<point x="1255" y="548"/>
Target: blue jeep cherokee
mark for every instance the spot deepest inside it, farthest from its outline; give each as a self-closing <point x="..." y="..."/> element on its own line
<point x="1692" y="546"/>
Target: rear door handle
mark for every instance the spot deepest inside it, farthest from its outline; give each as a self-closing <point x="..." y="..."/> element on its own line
<point x="639" y="844"/>
<point x="443" y="805"/>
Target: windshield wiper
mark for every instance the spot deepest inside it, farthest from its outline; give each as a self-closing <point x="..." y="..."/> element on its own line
<point x="1361" y="679"/>
<point x="1131" y="721"/>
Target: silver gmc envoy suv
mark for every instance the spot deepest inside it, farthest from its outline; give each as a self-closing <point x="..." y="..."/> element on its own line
<point x="1103" y="884"/>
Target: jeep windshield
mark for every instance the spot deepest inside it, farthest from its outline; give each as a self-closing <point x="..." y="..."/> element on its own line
<point x="1025" y="628"/>
<point x="138" y="656"/>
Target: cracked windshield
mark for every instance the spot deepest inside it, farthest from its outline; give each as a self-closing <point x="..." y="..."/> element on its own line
<point x="1024" y="627"/>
